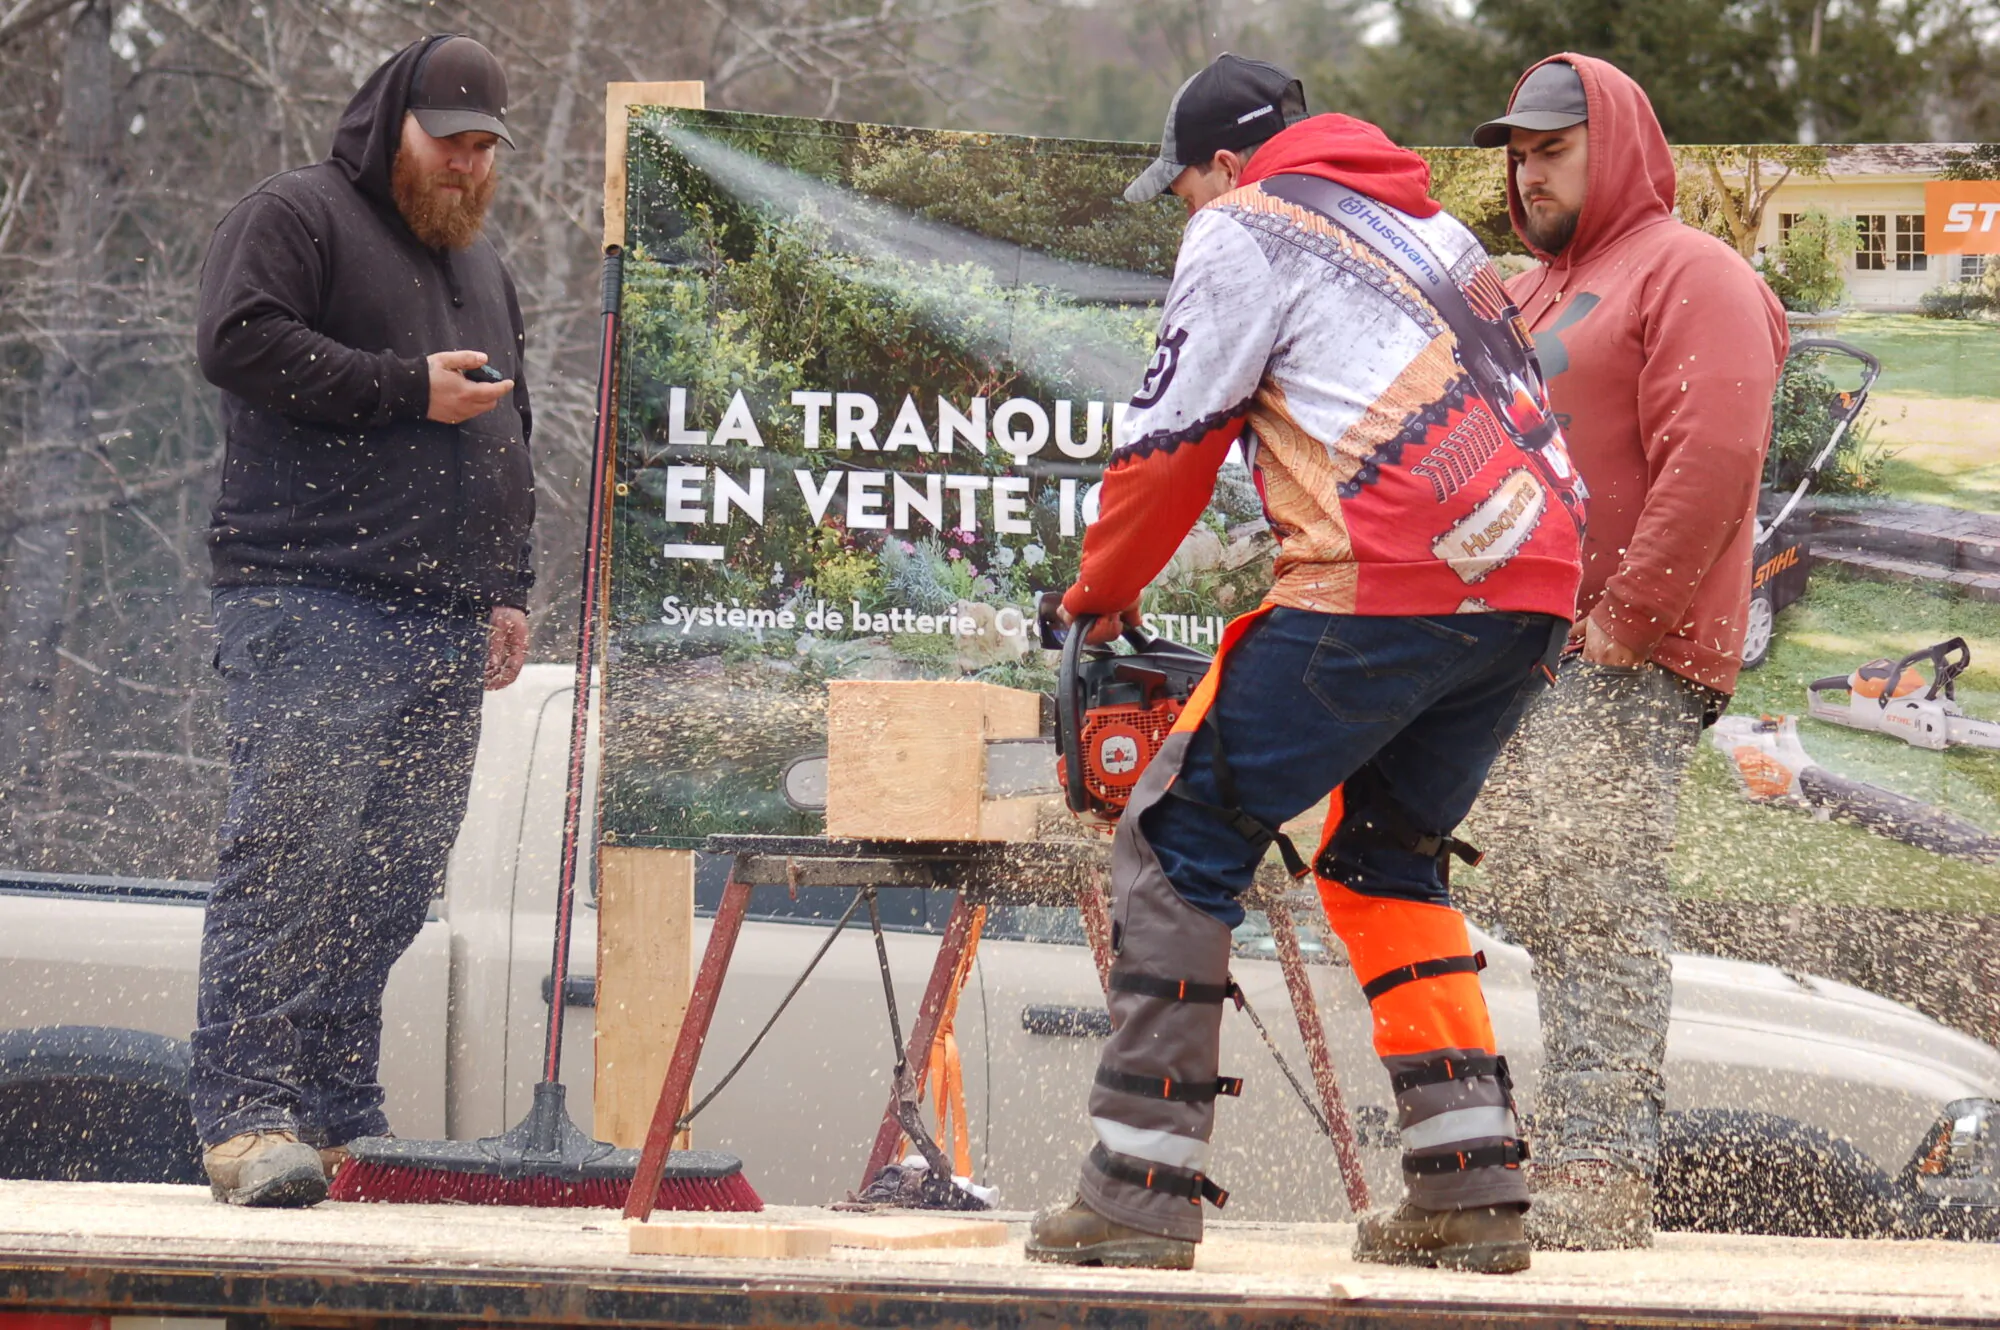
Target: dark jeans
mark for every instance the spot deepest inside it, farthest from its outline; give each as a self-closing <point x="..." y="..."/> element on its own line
<point x="352" y="724"/>
<point x="1307" y="699"/>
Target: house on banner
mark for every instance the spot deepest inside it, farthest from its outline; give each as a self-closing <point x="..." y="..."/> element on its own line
<point x="1880" y="187"/>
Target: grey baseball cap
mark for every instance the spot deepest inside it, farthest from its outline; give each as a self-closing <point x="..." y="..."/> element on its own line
<point x="1234" y="103"/>
<point x="1548" y="99"/>
<point x="459" y="86"/>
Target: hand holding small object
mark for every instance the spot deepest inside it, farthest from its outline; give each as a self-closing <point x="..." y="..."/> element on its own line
<point x="456" y="396"/>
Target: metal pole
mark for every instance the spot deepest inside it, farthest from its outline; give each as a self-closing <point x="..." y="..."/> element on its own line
<point x="937" y="994"/>
<point x="1306" y="1008"/>
<point x="687" y="1047"/>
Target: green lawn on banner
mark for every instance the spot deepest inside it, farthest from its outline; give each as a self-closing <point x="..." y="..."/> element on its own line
<point x="1731" y="848"/>
<point x="1936" y="406"/>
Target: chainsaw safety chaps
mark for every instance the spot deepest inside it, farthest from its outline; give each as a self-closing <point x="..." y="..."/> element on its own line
<point x="1449" y="1120"/>
<point x="1153" y="1104"/>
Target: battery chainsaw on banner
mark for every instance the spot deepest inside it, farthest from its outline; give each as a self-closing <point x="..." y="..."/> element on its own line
<point x="1893" y="697"/>
<point x="1112" y="711"/>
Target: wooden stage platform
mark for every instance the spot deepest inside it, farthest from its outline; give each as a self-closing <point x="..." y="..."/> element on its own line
<point x="159" y="1250"/>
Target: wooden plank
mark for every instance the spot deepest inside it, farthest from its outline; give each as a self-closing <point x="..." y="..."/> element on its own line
<point x="906" y="759"/>
<point x="645" y="974"/>
<point x="619" y="98"/>
<point x="747" y="1241"/>
<point x="913" y="1232"/>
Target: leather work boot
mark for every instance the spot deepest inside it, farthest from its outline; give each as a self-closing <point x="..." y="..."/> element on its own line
<point x="1589" y="1205"/>
<point x="1078" y="1235"/>
<point x="265" y="1168"/>
<point x="1487" y="1239"/>
<point x="331" y="1157"/>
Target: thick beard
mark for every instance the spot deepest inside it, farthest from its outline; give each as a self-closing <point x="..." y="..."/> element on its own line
<point x="1552" y="236"/>
<point x="440" y="220"/>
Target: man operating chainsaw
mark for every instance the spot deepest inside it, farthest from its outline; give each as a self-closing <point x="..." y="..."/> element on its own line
<point x="1330" y="318"/>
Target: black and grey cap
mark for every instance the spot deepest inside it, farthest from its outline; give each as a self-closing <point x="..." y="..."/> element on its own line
<point x="1548" y="99"/>
<point x="1234" y="103"/>
<point x="459" y="86"/>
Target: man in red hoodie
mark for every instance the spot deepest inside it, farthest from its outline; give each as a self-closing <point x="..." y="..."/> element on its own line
<point x="1327" y="316"/>
<point x="1662" y="348"/>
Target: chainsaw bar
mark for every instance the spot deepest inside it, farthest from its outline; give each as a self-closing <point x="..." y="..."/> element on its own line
<point x="1015" y="769"/>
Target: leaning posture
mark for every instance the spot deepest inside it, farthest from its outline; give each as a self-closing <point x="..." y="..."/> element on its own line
<point x="370" y="549"/>
<point x="1353" y="339"/>
<point x="1662" y="348"/>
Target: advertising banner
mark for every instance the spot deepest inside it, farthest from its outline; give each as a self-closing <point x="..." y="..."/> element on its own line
<point x="871" y="376"/>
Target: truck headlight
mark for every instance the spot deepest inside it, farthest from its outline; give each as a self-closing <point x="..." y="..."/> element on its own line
<point x="1964" y="1143"/>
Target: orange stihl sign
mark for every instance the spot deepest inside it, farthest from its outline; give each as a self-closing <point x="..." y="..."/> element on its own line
<point x="1962" y="217"/>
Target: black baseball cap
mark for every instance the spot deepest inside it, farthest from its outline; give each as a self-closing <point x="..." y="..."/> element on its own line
<point x="459" y="86"/>
<point x="1550" y="98"/>
<point x="1234" y="103"/>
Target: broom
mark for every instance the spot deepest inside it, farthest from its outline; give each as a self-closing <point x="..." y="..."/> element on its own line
<point x="546" y="1159"/>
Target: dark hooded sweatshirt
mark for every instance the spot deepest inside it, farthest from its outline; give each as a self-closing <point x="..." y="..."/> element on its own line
<point x="318" y="308"/>
<point x="1662" y="348"/>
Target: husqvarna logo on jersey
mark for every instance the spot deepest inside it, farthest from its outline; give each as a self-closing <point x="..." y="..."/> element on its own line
<point x="1962" y="217"/>
<point x="1495" y="531"/>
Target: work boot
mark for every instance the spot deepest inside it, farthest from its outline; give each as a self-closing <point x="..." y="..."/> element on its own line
<point x="1589" y="1205"/>
<point x="1078" y="1235"/>
<point x="331" y="1157"/>
<point x="1486" y="1239"/>
<point x="266" y="1168"/>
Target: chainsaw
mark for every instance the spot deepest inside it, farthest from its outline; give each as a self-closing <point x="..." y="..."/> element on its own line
<point x="1113" y="709"/>
<point x="1891" y="697"/>
<point x="1773" y="767"/>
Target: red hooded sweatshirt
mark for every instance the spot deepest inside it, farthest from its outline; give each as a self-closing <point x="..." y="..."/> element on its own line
<point x="1662" y="348"/>
<point x="1390" y="484"/>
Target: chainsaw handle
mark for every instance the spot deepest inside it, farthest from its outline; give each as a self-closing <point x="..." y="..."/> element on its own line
<point x="1055" y="637"/>
<point x="1069" y="714"/>
<point x="1948" y="660"/>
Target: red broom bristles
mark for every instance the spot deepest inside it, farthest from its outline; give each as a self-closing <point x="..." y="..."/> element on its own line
<point x="358" y="1181"/>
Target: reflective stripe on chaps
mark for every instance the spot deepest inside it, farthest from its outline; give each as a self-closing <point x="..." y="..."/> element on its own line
<point x="1156" y="934"/>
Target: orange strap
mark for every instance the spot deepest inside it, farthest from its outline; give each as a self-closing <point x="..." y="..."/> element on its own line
<point x="1203" y="696"/>
<point x="943" y="1070"/>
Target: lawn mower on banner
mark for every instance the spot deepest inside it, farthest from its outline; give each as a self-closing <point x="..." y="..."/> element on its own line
<point x="1783" y="558"/>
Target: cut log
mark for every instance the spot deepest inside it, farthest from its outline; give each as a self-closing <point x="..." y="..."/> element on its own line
<point x="744" y="1241"/>
<point x="645" y="973"/>
<point x="913" y="1232"/>
<point x="906" y="760"/>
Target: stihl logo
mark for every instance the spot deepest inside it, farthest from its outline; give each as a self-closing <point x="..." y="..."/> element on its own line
<point x="1959" y="216"/>
<point x="1776" y="564"/>
<point x="1962" y="217"/>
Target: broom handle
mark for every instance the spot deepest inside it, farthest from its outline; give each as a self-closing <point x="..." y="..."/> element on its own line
<point x="586" y="652"/>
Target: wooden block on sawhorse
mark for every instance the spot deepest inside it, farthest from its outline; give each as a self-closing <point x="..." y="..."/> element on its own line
<point x="645" y="973"/>
<point x="912" y="1232"/>
<point x="906" y="760"/>
<point x="745" y="1241"/>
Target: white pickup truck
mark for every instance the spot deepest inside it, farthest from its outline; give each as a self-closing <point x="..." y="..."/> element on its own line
<point x="1799" y="1104"/>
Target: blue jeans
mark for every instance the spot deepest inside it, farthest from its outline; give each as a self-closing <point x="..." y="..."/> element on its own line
<point x="1308" y="700"/>
<point x="352" y="723"/>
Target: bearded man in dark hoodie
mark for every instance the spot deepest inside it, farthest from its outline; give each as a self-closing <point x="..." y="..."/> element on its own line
<point x="371" y="569"/>
<point x="1662" y="348"/>
<point x="1427" y="521"/>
